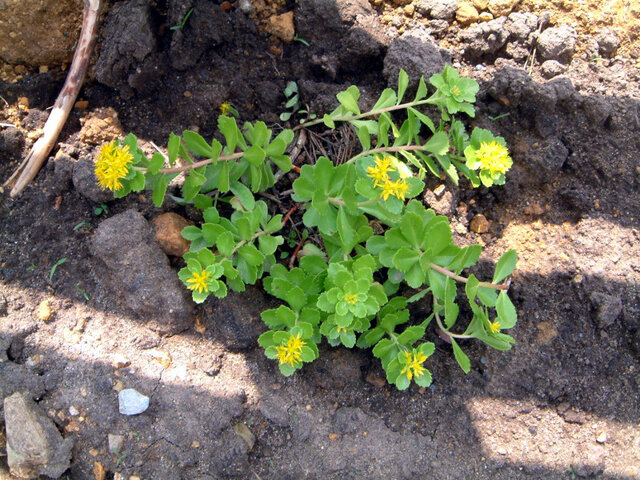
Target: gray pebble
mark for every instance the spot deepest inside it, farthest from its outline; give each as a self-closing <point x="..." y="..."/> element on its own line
<point x="131" y="402"/>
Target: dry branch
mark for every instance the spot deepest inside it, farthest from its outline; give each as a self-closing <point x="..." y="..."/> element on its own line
<point x="30" y="166"/>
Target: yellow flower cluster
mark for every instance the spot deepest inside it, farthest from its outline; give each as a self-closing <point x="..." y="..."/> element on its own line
<point x="380" y="178"/>
<point x="495" y="326"/>
<point x="494" y="157"/>
<point x="351" y="299"/>
<point x="291" y="353"/>
<point x="225" y="108"/>
<point x="198" y="281"/>
<point x="413" y="364"/>
<point x="112" y="165"/>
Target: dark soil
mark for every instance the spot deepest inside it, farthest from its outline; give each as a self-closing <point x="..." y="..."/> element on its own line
<point x="563" y="402"/>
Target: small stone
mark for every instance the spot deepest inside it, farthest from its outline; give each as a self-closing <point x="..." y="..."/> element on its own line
<point x="168" y="231"/>
<point x="116" y="443"/>
<point x="375" y="380"/>
<point x="479" y="224"/>
<point x="45" y="311"/>
<point x="118" y="386"/>
<point x="85" y="181"/>
<point x="131" y="402"/>
<point x="81" y="105"/>
<point x="608" y="43"/>
<point x="534" y="209"/>
<point x="552" y="68"/>
<point x="93" y="452"/>
<point x="281" y="26"/>
<point x="333" y="437"/>
<point x="73" y="411"/>
<point x="99" y="471"/>
<point x="501" y="8"/>
<point x="460" y="229"/>
<point x="437" y="9"/>
<point x="547" y="332"/>
<point x="243" y="432"/>
<point x="602" y="438"/>
<point x="246" y="7"/>
<point x="23" y="102"/>
<point x="43" y="69"/>
<point x="481" y="4"/>
<point x="34" y="444"/>
<point x="187" y="94"/>
<point x="467" y="13"/>
<point x="409" y="10"/>
<point x="195" y="444"/>
<point x="485" y="17"/>
<point x="557" y="43"/>
<point x="609" y="308"/>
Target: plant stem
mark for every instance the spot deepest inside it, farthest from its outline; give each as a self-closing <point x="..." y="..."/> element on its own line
<point x="449" y="273"/>
<point x="447" y="332"/>
<point x="201" y="163"/>
<point x="370" y="113"/>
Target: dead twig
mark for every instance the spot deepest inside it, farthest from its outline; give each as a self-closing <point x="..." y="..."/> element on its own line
<point x="30" y="166"/>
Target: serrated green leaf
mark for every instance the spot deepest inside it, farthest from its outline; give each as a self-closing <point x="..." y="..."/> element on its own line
<point x="438" y="143"/>
<point x="403" y="82"/>
<point x="461" y="357"/>
<point x="505" y="266"/>
<point x="160" y="191"/>
<point x="196" y="144"/>
<point x="251" y="254"/>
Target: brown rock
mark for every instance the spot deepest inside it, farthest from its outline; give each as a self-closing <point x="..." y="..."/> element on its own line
<point x="281" y="26"/>
<point x="98" y="471"/>
<point x="534" y="209"/>
<point x="39" y="32"/>
<point x="501" y="8"/>
<point x="375" y="380"/>
<point x="479" y="224"/>
<point x="168" y="227"/>
<point x="485" y="17"/>
<point x="100" y="126"/>
<point x="547" y="332"/>
<point x="481" y="4"/>
<point x="467" y="13"/>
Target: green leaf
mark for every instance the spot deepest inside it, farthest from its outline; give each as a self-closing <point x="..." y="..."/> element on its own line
<point x="505" y="266"/>
<point x="160" y="191"/>
<point x="251" y="254"/>
<point x="138" y="182"/>
<point x="424" y="119"/>
<point x="348" y="101"/>
<point x="461" y="357"/>
<point x="422" y="90"/>
<point x="387" y="99"/>
<point x="225" y="243"/>
<point x="255" y="155"/>
<point x="191" y="233"/>
<point x="506" y="311"/>
<point x="364" y="137"/>
<point x="268" y="244"/>
<point x="405" y="258"/>
<point x="196" y="144"/>
<point x="192" y="184"/>
<point x="411" y="335"/>
<point x="402" y="382"/>
<point x="328" y="121"/>
<point x="438" y="144"/>
<point x="173" y="147"/>
<point x="345" y="230"/>
<point x="423" y="380"/>
<point x="471" y="287"/>
<point x="228" y="127"/>
<point x="223" y="178"/>
<point x="403" y="82"/>
<point x="244" y="194"/>
<point x="156" y="163"/>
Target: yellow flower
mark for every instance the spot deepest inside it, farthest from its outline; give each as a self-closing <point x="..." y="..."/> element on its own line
<point x="455" y="91"/>
<point x="495" y="327"/>
<point x="198" y="281"/>
<point x="413" y="364"/>
<point x="112" y="165"/>
<point x="351" y="299"/>
<point x="225" y="108"/>
<point x="494" y="157"/>
<point x="397" y="189"/>
<point x="291" y="353"/>
<point x="341" y="329"/>
<point x="379" y="171"/>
